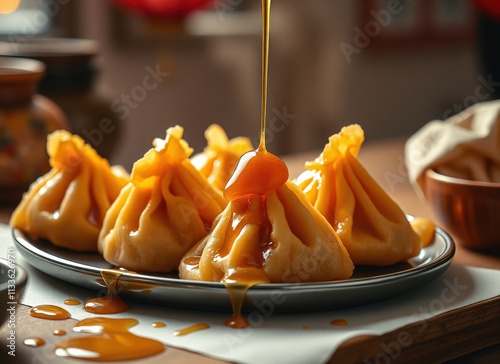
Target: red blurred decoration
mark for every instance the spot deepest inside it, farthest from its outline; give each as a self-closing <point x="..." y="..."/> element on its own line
<point x="491" y="7"/>
<point x="169" y="9"/>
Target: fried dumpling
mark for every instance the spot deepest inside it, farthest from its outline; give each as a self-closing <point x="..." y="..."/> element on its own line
<point x="269" y="232"/>
<point x="67" y="205"/>
<point x="373" y="228"/>
<point x="165" y="209"/>
<point x="217" y="161"/>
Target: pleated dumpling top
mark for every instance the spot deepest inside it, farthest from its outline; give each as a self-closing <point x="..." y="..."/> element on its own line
<point x="166" y="208"/>
<point x="67" y="205"/>
<point x="373" y="228"/>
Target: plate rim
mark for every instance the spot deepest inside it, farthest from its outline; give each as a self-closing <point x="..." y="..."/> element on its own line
<point x="22" y="240"/>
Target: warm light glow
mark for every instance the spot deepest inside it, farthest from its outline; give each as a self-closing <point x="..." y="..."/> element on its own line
<point x="8" y="6"/>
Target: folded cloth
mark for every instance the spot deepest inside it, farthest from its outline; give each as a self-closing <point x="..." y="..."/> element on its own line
<point x="465" y="146"/>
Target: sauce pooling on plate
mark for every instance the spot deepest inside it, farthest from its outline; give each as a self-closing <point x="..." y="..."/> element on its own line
<point x="111" y="302"/>
<point x="111" y="340"/>
<point x="257" y="175"/>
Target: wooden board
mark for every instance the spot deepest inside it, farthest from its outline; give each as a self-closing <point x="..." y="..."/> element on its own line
<point x="445" y="337"/>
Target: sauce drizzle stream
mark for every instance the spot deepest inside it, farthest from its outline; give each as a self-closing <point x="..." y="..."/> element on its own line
<point x="111" y="302"/>
<point x="247" y="194"/>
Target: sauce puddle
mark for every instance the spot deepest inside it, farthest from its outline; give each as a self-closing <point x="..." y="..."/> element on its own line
<point x="110" y="340"/>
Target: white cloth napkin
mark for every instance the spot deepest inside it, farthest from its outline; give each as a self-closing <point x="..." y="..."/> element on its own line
<point x="275" y="338"/>
<point x="465" y="146"/>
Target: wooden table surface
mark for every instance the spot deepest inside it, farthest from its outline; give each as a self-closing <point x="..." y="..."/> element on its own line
<point x="473" y="333"/>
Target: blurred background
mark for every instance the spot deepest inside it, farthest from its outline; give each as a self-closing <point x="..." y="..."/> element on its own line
<point x="390" y="66"/>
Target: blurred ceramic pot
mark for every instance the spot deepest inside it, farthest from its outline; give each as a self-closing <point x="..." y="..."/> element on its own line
<point x="26" y="118"/>
<point x="69" y="81"/>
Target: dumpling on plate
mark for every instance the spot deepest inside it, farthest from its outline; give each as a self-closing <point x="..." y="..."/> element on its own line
<point x="217" y="161"/>
<point x="269" y="232"/>
<point x="164" y="210"/>
<point x="373" y="228"/>
<point x="67" y="205"/>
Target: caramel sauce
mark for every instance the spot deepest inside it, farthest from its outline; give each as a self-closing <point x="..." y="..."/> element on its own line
<point x="71" y="302"/>
<point x="192" y="263"/>
<point x="49" y="312"/>
<point x="425" y="229"/>
<point x="58" y="332"/>
<point x="158" y="324"/>
<point x="111" y="302"/>
<point x="339" y="322"/>
<point x="236" y="322"/>
<point x="191" y="329"/>
<point x="34" y="341"/>
<point x="110" y="341"/>
<point x="257" y="175"/>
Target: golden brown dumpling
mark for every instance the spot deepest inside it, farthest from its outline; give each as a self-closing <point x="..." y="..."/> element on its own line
<point x="276" y="238"/>
<point x="68" y="204"/>
<point x="373" y="228"/>
<point x="165" y="209"/>
<point x="219" y="158"/>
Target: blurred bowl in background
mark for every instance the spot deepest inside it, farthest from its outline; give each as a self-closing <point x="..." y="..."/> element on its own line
<point x="468" y="210"/>
<point x="10" y="293"/>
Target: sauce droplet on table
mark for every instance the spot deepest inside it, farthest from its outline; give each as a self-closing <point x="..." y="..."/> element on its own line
<point x="34" y="341"/>
<point x="158" y="324"/>
<point x="49" y="312"/>
<point x="339" y="322"/>
<point x="71" y="302"/>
